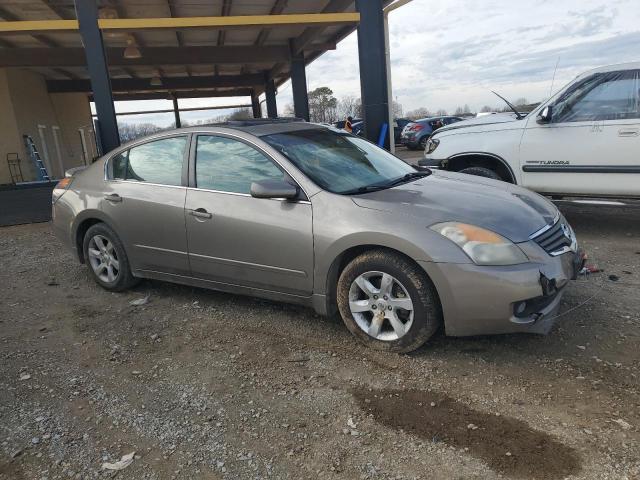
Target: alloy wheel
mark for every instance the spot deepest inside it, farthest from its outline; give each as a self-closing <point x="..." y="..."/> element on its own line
<point x="103" y="259"/>
<point x="381" y="306"/>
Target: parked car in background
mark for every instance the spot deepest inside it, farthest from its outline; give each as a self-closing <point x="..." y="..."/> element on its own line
<point x="583" y="141"/>
<point x="398" y="126"/>
<point x="415" y="134"/>
<point x="313" y="215"/>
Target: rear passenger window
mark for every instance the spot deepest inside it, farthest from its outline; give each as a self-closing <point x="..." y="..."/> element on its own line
<point x="228" y="165"/>
<point x="157" y="162"/>
<point x="119" y="166"/>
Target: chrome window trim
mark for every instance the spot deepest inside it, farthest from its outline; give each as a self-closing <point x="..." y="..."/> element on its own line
<point x="135" y="182"/>
<point x="197" y="189"/>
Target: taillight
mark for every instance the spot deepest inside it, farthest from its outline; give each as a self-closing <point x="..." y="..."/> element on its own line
<point x="62" y="186"/>
<point x="417" y="128"/>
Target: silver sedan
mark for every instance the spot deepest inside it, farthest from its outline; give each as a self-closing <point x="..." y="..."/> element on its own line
<point x="307" y="214"/>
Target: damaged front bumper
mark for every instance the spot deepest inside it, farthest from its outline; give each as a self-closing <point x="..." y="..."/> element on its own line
<point x="481" y="300"/>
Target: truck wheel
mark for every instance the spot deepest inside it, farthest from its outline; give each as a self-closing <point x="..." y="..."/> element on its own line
<point x="481" y="172"/>
<point x="388" y="302"/>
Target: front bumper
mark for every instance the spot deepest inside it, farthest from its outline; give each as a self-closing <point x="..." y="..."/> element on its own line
<point x="482" y="300"/>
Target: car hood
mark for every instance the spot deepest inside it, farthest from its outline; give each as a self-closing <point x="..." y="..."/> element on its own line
<point x="484" y="120"/>
<point x="511" y="211"/>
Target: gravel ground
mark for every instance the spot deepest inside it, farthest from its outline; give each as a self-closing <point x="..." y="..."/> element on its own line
<point x="208" y="385"/>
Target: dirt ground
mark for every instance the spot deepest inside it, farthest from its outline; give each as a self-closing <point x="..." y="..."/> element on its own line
<point x="208" y="385"/>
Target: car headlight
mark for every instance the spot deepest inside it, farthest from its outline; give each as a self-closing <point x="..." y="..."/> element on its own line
<point x="482" y="246"/>
<point x="432" y="144"/>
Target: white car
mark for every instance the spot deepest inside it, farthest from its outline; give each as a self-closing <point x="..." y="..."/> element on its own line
<point x="584" y="141"/>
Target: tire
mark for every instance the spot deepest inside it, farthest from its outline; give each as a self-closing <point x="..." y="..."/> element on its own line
<point x="107" y="251"/>
<point x="408" y="280"/>
<point x="481" y="172"/>
<point x="423" y="142"/>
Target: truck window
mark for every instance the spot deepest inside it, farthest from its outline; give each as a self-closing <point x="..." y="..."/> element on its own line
<point x="602" y="96"/>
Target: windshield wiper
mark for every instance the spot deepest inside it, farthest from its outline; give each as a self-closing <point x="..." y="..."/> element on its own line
<point x="391" y="183"/>
<point x="408" y="177"/>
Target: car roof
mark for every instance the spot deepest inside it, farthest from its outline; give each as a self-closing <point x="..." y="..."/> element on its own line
<point x="612" y="68"/>
<point x="431" y="119"/>
<point x="259" y="127"/>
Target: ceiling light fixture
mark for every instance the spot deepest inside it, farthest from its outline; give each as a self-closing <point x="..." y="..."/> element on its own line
<point x="132" y="51"/>
<point x="156" y="81"/>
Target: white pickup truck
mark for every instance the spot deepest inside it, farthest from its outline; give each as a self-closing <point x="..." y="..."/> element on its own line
<point x="583" y="141"/>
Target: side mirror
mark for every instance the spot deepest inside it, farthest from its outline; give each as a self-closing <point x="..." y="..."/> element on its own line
<point x="545" y="115"/>
<point x="273" y="189"/>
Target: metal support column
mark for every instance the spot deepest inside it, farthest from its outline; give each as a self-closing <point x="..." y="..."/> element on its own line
<point x="270" y="93"/>
<point x="87" y="14"/>
<point x="255" y="106"/>
<point x="373" y="74"/>
<point x="176" y="110"/>
<point x="299" y="85"/>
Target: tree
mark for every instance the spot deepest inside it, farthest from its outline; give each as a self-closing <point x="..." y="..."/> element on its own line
<point x="422" y="112"/>
<point x="322" y="105"/>
<point x="396" y="108"/>
<point x="131" y="131"/>
<point x="349" y="106"/>
<point x="441" y="112"/>
<point x="240" y="114"/>
<point x="487" y="109"/>
<point x="520" y="102"/>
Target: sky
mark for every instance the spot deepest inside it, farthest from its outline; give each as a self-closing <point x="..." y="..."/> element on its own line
<point x="450" y="53"/>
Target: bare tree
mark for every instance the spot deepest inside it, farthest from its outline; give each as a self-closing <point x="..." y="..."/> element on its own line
<point x="349" y="106"/>
<point x="396" y="108"/>
<point x="487" y="109"/>
<point x="131" y="131"/>
<point x="441" y="112"/>
<point x="240" y="114"/>
<point x="422" y="112"/>
<point x="521" y="102"/>
<point x="322" y="105"/>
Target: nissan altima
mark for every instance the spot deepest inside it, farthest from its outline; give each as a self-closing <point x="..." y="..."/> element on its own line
<point x="309" y="214"/>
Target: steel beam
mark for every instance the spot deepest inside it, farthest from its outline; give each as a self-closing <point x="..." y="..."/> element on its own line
<point x="270" y="94"/>
<point x="133" y="24"/>
<point x="166" y="95"/>
<point x="373" y="74"/>
<point x="299" y="86"/>
<point x="168" y="83"/>
<point x="87" y="14"/>
<point x="75" y="57"/>
<point x="255" y="105"/>
<point x="176" y="111"/>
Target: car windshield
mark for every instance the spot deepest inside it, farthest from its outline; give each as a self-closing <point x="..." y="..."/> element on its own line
<point x="339" y="162"/>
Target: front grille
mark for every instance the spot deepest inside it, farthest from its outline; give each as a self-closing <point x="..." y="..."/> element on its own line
<point x="555" y="239"/>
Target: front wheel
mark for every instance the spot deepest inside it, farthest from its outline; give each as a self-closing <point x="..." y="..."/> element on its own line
<point x="481" y="172"/>
<point x="388" y="302"/>
<point x="106" y="258"/>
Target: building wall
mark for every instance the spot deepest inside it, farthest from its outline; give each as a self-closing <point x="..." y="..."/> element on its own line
<point x="52" y="121"/>
<point x="10" y="141"/>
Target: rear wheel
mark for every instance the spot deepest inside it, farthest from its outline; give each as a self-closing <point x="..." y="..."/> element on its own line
<point x="106" y="258"/>
<point x="423" y="142"/>
<point x="481" y="172"/>
<point x="387" y="302"/>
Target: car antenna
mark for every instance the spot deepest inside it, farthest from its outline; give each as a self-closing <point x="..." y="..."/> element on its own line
<point x="554" y="77"/>
<point x="518" y="115"/>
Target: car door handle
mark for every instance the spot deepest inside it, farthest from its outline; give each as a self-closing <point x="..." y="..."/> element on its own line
<point x="200" y="213"/>
<point x="114" y="197"/>
<point x="628" y="132"/>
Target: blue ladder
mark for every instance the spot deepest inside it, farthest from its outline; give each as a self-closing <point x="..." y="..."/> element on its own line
<point x="41" y="170"/>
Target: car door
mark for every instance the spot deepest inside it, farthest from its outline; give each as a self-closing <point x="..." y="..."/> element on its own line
<point x="592" y="143"/>
<point x="144" y="200"/>
<point x="235" y="238"/>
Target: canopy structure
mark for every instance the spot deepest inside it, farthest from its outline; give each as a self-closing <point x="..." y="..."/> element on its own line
<point x="157" y="49"/>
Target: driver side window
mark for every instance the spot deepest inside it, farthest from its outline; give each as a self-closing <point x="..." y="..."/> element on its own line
<point x="603" y="96"/>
